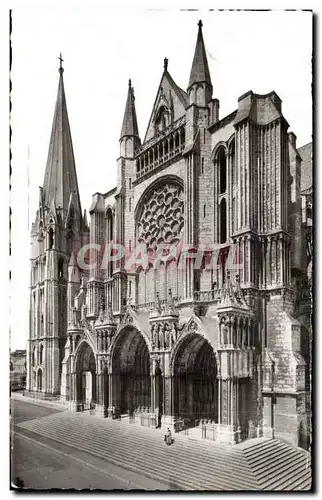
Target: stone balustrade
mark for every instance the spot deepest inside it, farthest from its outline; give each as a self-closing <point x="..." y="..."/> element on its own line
<point x="207" y="295"/>
<point x="164" y="149"/>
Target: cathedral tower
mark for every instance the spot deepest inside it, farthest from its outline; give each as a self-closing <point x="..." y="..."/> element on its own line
<point x="126" y="171"/>
<point x="58" y="231"/>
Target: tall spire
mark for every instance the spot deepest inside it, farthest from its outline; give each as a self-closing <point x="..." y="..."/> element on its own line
<point x="199" y="70"/>
<point x="60" y="176"/>
<point x="130" y="125"/>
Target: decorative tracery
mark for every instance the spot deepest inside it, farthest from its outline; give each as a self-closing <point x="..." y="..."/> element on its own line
<point x="162" y="218"/>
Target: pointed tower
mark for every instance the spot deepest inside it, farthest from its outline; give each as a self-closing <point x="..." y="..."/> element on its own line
<point x="60" y="176"/>
<point x="130" y="143"/>
<point x="200" y="86"/>
<point x="129" y="139"/>
<point x="57" y="232"/>
<point x="198" y="164"/>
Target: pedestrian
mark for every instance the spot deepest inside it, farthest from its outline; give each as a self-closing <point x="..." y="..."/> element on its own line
<point x="168" y="437"/>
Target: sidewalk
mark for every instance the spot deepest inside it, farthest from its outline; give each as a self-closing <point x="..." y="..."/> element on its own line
<point x="57" y="405"/>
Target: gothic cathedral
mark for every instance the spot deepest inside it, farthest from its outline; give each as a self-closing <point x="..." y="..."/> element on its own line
<point x="180" y="302"/>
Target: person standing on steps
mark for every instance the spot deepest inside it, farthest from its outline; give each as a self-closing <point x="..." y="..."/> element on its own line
<point x="168" y="439"/>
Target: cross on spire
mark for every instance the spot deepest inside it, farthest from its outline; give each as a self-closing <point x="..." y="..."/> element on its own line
<point x="200" y="24"/>
<point x="61" y="60"/>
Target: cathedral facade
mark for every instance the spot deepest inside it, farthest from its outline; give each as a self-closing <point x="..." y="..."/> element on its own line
<point x="178" y="302"/>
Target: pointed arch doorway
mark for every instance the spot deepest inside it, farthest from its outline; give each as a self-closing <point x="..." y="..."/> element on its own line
<point x="131" y="389"/>
<point x="195" y="381"/>
<point x="85" y="377"/>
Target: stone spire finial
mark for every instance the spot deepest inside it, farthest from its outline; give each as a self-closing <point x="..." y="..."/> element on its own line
<point x="200" y="24"/>
<point x="171" y="306"/>
<point x="165" y="65"/>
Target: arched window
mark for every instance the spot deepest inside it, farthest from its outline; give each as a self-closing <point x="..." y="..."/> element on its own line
<point x="42" y="267"/>
<point x="162" y="120"/>
<point x="41" y="349"/>
<point x="141" y="286"/>
<point x="109" y="225"/>
<point x="109" y="236"/>
<point x="222" y="172"/>
<point x="39" y="380"/>
<point x="233" y="162"/>
<point x="223" y="221"/>
<point x="50" y="238"/>
<point x="233" y="176"/>
<point x="60" y="268"/>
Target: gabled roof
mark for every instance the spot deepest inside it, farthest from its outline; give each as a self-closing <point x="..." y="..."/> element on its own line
<point x="169" y="93"/>
<point x="60" y="176"/>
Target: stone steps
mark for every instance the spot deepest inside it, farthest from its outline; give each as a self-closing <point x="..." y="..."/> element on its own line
<point x="188" y="464"/>
<point x="271" y="460"/>
<point x="131" y="446"/>
<point x="172" y="473"/>
<point x="278" y="466"/>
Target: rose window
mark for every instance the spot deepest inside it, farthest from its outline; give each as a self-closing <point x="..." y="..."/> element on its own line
<point x="162" y="218"/>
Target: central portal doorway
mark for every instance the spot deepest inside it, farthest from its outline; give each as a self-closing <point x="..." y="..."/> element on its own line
<point x="131" y="367"/>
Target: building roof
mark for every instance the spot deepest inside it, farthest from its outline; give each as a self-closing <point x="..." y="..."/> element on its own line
<point x="260" y="108"/>
<point x="60" y="175"/>
<point x="222" y="122"/>
<point x="305" y="153"/>
<point x="18" y="353"/>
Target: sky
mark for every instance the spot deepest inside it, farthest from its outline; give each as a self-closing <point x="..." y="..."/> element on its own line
<point x="102" y="48"/>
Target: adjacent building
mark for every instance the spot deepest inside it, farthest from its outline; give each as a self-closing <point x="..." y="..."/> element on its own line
<point x="18" y="368"/>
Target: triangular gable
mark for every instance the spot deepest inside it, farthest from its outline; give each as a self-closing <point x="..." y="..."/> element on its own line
<point x="129" y="318"/>
<point x="169" y="95"/>
<point x="194" y="325"/>
<point x="205" y="327"/>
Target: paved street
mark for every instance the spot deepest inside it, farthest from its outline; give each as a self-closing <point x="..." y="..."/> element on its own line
<point x="42" y="463"/>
